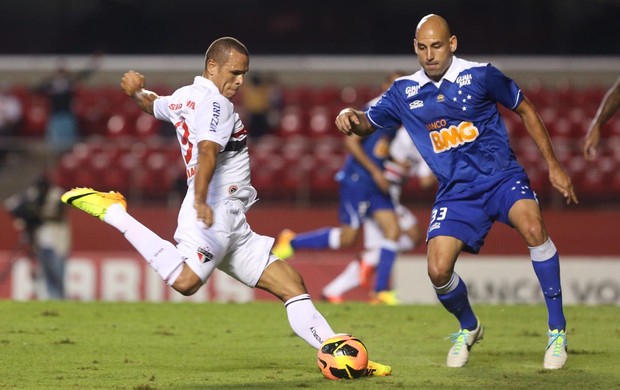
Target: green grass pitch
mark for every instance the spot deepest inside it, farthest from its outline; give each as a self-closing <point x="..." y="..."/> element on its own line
<point x="76" y="345"/>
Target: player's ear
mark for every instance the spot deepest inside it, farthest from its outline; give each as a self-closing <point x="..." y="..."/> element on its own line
<point x="211" y="67"/>
<point x="415" y="45"/>
<point x="453" y="43"/>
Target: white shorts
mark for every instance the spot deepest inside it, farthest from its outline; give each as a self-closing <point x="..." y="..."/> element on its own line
<point x="229" y="244"/>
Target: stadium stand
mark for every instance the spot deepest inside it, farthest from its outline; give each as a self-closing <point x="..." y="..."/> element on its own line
<point x="124" y="149"/>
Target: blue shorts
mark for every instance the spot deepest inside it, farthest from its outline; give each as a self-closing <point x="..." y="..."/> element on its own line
<point x="358" y="200"/>
<point x="470" y="215"/>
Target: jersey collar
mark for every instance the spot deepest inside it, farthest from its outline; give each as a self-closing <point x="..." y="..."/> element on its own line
<point x="451" y="74"/>
<point x="205" y="82"/>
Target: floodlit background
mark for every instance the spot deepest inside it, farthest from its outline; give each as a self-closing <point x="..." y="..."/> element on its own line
<point x="310" y="60"/>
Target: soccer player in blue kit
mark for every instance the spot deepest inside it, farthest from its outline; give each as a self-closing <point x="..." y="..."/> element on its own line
<point x="449" y="109"/>
<point x="364" y="193"/>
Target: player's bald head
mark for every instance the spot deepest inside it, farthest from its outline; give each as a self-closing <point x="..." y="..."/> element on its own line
<point x="433" y="25"/>
<point x="219" y="51"/>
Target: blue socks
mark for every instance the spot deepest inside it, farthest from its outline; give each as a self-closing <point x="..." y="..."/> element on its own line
<point x="546" y="262"/>
<point x="387" y="257"/>
<point x="453" y="296"/>
<point x="316" y="239"/>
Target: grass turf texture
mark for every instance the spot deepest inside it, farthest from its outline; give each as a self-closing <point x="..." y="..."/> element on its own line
<point x="74" y="345"/>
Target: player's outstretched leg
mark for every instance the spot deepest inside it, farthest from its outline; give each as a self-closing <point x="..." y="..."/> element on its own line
<point x="93" y="202"/>
<point x="111" y="208"/>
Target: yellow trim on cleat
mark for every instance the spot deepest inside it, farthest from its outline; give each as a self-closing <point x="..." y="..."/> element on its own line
<point x="93" y="202"/>
<point x="377" y="369"/>
<point x="283" y="249"/>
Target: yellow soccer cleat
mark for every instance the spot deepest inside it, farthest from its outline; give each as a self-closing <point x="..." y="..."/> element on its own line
<point x="385" y="298"/>
<point x="283" y="249"/>
<point x="377" y="369"/>
<point x="93" y="202"/>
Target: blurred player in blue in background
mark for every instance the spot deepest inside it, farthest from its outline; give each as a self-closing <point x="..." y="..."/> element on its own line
<point x="405" y="163"/>
<point x="364" y="192"/>
<point x="449" y="108"/>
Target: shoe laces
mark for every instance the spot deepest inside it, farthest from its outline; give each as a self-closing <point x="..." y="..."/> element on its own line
<point x="459" y="339"/>
<point x="557" y="339"/>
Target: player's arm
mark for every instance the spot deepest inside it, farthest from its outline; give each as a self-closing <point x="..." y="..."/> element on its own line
<point x="350" y="121"/>
<point x="207" y="160"/>
<point x="132" y="84"/>
<point x="607" y="108"/>
<point x="353" y="144"/>
<point x="536" y="128"/>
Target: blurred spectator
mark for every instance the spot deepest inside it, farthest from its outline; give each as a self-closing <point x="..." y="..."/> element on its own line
<point x="41" y="217"/>
<point x="257" y="101"/>
<point x="10" y="116"/>
<point x="609" y="105"/>
<point x="62" y="130"/>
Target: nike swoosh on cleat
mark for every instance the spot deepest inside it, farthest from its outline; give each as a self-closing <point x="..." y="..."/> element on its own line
<point x="76" y="197"/>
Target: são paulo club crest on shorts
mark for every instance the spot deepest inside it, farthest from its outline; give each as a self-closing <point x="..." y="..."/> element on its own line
<point x="204" y="255"/>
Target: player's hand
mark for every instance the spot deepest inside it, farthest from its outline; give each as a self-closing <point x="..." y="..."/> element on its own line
<point x="345" y="121"/>
<point x="381" y="181"/>
<point x="591" y="144"/>
<point x="132" y="82"/>
<point x="204" y="213"/>
<point x="562" y="182"/>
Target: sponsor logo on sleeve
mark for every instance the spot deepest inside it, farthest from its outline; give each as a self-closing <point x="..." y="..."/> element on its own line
<point x="464" y="80"/>
<point x="412" y="90"/>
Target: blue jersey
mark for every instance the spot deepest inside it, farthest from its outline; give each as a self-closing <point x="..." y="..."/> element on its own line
<point x="454" y="123"/>
<point x="377" y="148"/>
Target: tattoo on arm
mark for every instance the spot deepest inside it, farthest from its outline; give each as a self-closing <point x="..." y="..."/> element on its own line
<point x="145" y="99"/>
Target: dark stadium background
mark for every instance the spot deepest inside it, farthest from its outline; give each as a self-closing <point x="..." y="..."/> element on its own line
<point x="549" y="27"/>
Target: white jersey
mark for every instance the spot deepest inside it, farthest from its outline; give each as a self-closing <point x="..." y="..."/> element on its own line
<point x="200" y="112"/>
<point x="403" y="150"/>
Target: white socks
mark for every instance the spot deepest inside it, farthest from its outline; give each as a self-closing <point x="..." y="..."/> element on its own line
<point x="306" y="321"/>
<point x="162" y="255"/>
<point x="347" y="280"/>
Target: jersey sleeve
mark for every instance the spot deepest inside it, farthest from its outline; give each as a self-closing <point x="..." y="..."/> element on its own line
<point x="502" y="89"/>
<point x="160" y="108"/>
<point x="215" y="120"/>
<point x="384" y="113"/>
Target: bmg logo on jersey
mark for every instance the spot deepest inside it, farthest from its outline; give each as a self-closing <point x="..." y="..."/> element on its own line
<point x="453" y="136"/>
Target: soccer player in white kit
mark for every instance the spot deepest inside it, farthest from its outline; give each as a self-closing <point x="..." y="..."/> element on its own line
<point x="212" y="229"/>
<point x="405" y="163"/>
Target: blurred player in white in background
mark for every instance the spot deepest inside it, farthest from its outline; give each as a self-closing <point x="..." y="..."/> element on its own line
<point x="405" y="163"/>
<point x="609" y="105"/>
<point x="212" y="228"/>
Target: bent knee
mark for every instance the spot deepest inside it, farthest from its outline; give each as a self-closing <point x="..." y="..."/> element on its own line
<point x="187" y="283"/>
<point x="534" y="234"/>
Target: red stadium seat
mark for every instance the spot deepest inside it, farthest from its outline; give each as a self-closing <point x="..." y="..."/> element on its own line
<point x="321" y="122"/>
<point x="119" y="125"/>
<point x="292" y="122"/>
<point x="146" y="125"/>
